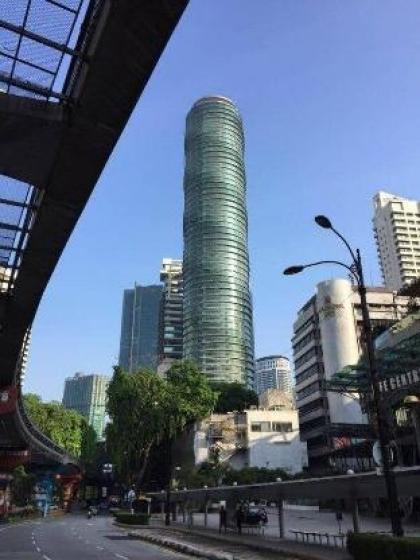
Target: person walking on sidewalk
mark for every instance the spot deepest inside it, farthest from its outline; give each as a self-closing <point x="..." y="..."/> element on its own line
<point x="222" y="519"/>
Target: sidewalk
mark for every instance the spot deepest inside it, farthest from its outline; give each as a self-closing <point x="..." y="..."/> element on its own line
<point x="231" y="545"/>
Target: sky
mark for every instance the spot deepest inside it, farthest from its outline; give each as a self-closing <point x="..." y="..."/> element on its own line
<point x="329" y="92"/>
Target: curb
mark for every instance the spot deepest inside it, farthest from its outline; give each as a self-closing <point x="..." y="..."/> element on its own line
<point x="184" y="548"/>
<point x="282" y="552"/>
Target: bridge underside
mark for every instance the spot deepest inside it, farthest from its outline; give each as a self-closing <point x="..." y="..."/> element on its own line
<point x="54" y="146"/>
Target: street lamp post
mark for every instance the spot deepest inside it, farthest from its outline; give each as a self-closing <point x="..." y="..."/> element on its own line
<point x="356" y="271"/>
<point x="168" y="496"/>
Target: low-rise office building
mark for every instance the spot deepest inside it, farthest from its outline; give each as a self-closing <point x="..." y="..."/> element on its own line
<point x="257" y="437"/>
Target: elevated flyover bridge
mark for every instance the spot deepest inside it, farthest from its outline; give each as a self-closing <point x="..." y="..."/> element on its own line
<point x="71" y="72"/>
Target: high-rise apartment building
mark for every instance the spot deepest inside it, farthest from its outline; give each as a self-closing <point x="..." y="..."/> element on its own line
<point x="170" y="323"/>
<point x="140" y="328"/>
<point x="397" y="231"/>
<point x="218" y="327"/>
<point x="272" y="372"/>
<point x="327" y="337"/>
<point x="87" y="395"/>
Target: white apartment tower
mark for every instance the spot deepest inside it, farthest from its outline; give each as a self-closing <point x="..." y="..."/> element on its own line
<point x="171" y="315"/>
<point x="327" y="336"/>
<point x="397" y="231"/>
<point x="272" y="372"/>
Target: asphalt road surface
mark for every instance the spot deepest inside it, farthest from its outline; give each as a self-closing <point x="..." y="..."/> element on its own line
<point x="74" y="537"/>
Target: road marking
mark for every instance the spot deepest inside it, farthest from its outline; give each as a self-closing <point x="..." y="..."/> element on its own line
<point x="14" y="525"/>
<point x="121" y="556"/>
<point x="45" y="557"/>
<point x="100" y="547"/>
<point x="38" y="549"/>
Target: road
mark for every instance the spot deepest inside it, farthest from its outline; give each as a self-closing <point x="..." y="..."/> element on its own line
<point x="73" y="537"/>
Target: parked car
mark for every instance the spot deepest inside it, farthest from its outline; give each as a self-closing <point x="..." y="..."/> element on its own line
<point x="255" y="515"/>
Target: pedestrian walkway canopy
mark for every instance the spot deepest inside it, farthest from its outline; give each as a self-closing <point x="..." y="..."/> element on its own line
<point x="399" y="362"/>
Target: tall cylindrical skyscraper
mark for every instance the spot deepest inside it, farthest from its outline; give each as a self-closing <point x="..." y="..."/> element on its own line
<point x="218" y="329"/>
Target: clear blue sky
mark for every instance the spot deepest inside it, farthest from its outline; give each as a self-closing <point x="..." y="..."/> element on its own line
<point x="329" y="92"/>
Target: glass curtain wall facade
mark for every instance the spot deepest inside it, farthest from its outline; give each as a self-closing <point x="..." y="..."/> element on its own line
<point x="87" y="395"/>
<point x="140" y="328"/>
<point x="218" y="327"/>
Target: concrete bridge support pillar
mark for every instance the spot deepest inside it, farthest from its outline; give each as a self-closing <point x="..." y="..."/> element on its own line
<point x="174" y="507"/>
<point x="355" y="515"/>
<point x="206" y="512"/>
<point x="231" y="513"/>
<point x="280" y="507"/>
<point x="183" y="511"/>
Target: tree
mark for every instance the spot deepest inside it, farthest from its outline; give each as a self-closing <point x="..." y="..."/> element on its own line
<point x="22" y="485"/>
<point x="66" y="428"/>
<point x="192" y="396"/>
<point x="146" y="410"/>
<point x="137" y="404"/>
<point x="233" y="396"/>
<point x="89" y="444"/>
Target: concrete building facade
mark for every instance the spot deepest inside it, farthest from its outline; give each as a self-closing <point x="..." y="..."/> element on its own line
<point x="396" y="224"/>
<point x="218" y="325"/>
<point x="140" y="328"/>
<point x="171" y="314"/>
<point x="272" y="372"/>
<point x="265" y="437"/>
<point x="87" y="395"/>
<point x="327" y="337"/>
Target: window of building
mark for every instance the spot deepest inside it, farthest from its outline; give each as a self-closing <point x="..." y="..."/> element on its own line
<point x="260" y="427"/>
<point x="282" y="427"/>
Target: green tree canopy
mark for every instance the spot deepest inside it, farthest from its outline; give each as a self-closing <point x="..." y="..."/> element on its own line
<point x="66" y="428"/>
<point x="22" y="485"/>
<point x="233" y="396"/>
<point x="145" y="409"/>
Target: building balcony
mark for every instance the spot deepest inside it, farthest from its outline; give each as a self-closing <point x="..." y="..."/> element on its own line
<point x="311" y="361"/>
<point x="307" y="381"/>
<point x="312" y="415"/>
<point x="310" y="344"/>
<point x="313" y="433"/>
<point x="312" y="397"/>
<point x="318" y="450"/>
<point x="215" y="435"/>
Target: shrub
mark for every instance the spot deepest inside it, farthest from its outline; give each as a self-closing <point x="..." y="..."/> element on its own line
<point x="129" y="519"/>
<point x="22" y="513"/>
<point x="368" y="546"/>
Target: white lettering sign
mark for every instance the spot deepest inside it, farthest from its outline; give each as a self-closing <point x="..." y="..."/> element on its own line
<point x="398" y="381"/>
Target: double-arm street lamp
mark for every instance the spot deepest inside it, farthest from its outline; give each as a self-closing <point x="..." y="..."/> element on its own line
<point x="356" y="271"/>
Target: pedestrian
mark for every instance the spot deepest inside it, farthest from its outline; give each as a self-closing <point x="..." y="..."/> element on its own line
<point x="222" y="519"/>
